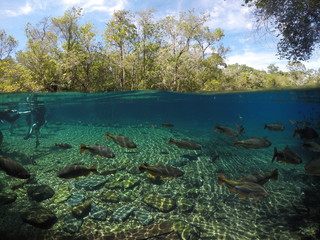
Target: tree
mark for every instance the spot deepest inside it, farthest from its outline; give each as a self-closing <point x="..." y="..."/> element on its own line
<point x="7" y="44"/>
<point x="297" y="21"/>
<point x="39" y="56"/>
<point x="120" y="36"/>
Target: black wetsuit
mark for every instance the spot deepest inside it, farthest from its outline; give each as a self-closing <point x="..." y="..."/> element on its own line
<point x="35" y="120"/>
<point x="7" y="116"/>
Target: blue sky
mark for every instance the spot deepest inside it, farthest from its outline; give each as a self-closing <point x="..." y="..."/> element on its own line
<point x="247" y="46"/>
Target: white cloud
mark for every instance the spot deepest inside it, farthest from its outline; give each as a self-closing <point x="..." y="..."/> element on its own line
<point x="23" y="10"/>
<point x="261" y="60"/>
<point x="108" y="6"/>
<point x="257" y="60"/>
<point x="228" y="15"/>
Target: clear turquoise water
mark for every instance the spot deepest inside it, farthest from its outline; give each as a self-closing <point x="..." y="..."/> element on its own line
<point x="75" y="118"/>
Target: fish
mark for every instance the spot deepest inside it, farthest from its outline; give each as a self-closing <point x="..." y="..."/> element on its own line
<point x="274" y="127"/>
<point x="168" y="125"/>
<point x="97" y="150"/>
<point x="121" y="140"/>
<point x="76" y="170"/>
<point x="226" y="131"/>
<point x="312" y="146"/>
<point x="306" y="133"/>
<point x="12" y="168"/>
<point x="313" y="166"/>
<point x="162" y="171"/>
<point x="244" y="189"/>
<point x="286" y="156"/>
<point x="63" y="145"/>
<point x="301" y="123"/>
<point x="260" y="179"/>
<point x="253" y="143"/>
<point x="185" y="144"/>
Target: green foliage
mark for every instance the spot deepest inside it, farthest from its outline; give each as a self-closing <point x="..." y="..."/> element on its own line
<point x="298" y="22"/>
<point x="176" y="53"/>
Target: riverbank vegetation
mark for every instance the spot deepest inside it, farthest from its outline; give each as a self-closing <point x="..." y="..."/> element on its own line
<point x="136" y="52"/>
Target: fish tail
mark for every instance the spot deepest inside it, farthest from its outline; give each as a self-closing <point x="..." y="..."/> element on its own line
<point x="221" y="179"/>
<point x="143" y="167"/>
<point x="82" y="148"/>
<point x="275" y="154"/>
<point x="108" y="136"/>
<point x="296" y="132"/>
<point x="171" y="141"/>
<point x="274" y="175"/>
<point x="265" y="126"/>
<point x="93" y="169"/>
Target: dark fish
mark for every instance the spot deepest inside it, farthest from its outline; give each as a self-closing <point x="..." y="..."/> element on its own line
<point x="260" y="179"/>
<point x="312" y="146"/>
<point x="313" y="166"/>
<point x="168" y="125"/>
<point x="306" y="133"/>
<point x="13" y="168"/>
<point x="76" y="170"/>
<point x="63" y="145"/>
<point x="97" y="150"/>
<point x="286" y="156"/>
<point x="226" y="131"/>
<point x="274" y="127"/>
<point x="185" y="144"/>
<point x="244" y="189"/>
<point x="121" y="140"/>
<point x="254" y="143"/>
<point x="162" y="171"/>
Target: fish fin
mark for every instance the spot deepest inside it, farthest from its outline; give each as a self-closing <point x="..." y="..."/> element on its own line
<point x="150" y="175"/>
<point x="171" y="141"/>
<point x="221" y="179"/>
<point x="143" y="167"/>
<point x="108" y="136"/>
<point x="275" y="154"/>
<point x="275" y="174"/>
<point x="93" y="169"/>
<point x="82" y="148"/>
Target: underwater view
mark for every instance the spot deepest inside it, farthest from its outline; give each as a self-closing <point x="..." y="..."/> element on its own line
<point x="160" y="165"/>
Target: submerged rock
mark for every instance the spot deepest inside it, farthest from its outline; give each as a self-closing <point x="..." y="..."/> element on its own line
<point x="39" y="217"/>
<point x="40" y="193"/>
<point x="110" y="196"/>
<point x="76" y="199"/>
<point x="122" y="213"/>
<point x="123" y="183"/>
<point x="7" y="198"/>
<point x="62" y="194"/>
<point x="82" y="210"/>
<point x="160" y="203"/>
<point x="90" y="184"/>
<point x="144" y="217"/>
<point x="71" y="225"/>
<point x="185" y="205"/>
<point x="186" y="231"/>
<point x="98" y="213"/>
<point x="152" y="231"/>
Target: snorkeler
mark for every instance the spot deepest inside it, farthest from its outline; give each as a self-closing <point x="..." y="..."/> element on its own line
<point x="9" y="116"/>
<point x="35" y="118"/>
